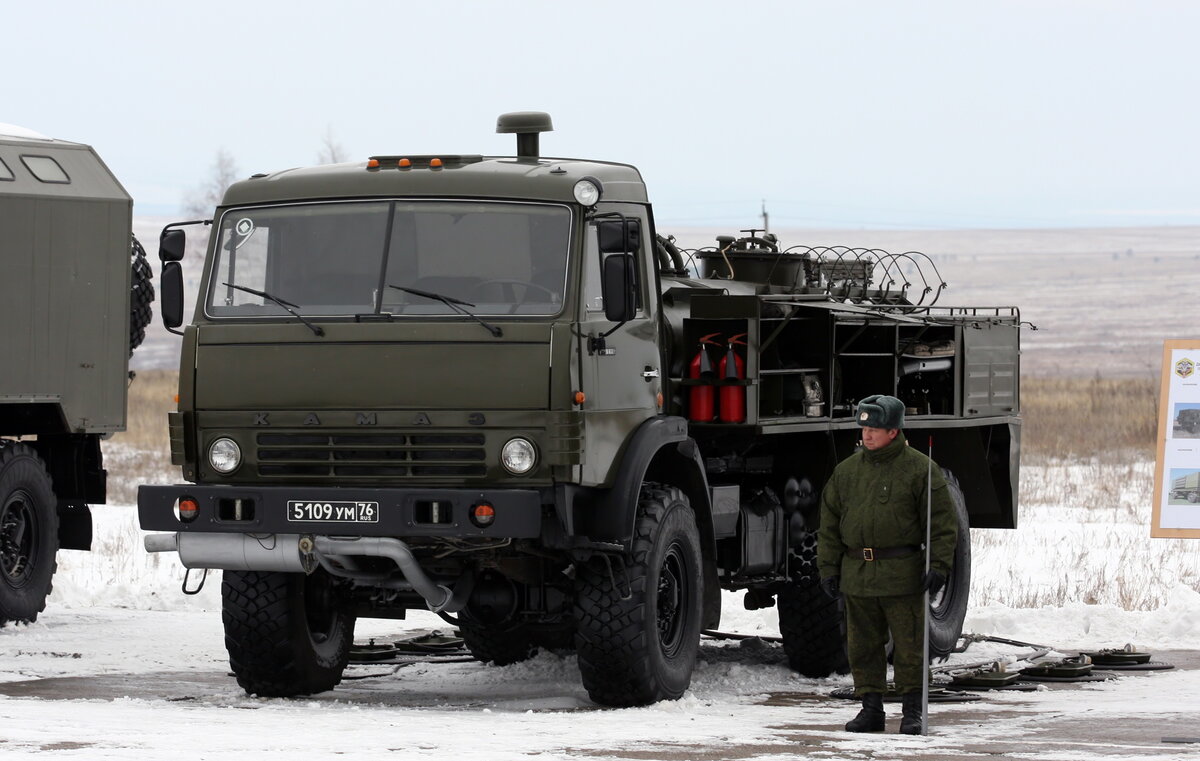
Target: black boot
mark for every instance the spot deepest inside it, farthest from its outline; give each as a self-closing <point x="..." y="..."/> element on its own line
<point x="910" y="722"/>
<point x="870" y="718"/>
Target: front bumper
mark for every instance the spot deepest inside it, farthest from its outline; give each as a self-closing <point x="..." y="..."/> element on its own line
<point x="398" y="512"/>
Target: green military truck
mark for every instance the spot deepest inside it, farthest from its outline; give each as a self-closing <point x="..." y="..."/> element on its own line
<point x="489" y="387"/>
<point x="73" y="313"/>
<point x="1186" y="487"/>
<point x="1188" y="420"/>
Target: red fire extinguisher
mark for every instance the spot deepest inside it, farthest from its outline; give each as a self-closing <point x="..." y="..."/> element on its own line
<point x="733" y="397"/>
<point x="702" y="406"/>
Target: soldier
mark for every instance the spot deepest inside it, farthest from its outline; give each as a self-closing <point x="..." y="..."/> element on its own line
<point x="869" y="551"/>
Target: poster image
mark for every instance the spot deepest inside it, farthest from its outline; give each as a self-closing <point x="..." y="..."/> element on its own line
<point x="1185" y="420"/>
<point x="1177" y="471"/>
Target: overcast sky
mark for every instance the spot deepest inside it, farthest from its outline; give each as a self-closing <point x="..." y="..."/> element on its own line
<point x="852" y="114"/>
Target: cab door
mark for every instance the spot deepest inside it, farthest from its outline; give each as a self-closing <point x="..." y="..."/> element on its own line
<point x="620" y="363"/>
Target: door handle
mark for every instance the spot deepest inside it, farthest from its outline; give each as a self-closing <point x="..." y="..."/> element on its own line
<point x="649" y="373"/>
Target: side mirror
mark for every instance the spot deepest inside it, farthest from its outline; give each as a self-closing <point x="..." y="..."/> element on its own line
<point x="620" y="287"/>
<point x="170" y="304"/>
<point x="619" y="236"/>
<point x="170" y="245"/>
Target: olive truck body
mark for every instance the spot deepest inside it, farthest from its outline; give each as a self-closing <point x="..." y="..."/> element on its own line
<point x="475" y="385"/>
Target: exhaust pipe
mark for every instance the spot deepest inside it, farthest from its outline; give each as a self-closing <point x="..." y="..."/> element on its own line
<point x="236" y="552"/>
<point x="293" y="553"/>
<point x="439" y="597"/>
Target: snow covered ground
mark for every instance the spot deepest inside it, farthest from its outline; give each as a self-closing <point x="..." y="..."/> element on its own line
<point x="121" y="665"/>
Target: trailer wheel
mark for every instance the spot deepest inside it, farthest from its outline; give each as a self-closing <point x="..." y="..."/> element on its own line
<point x="948" y="610"/>
<point x="638" y="627"/>
<point x="1193" y="497"/>
<point x="496" y="645"/>
<point x="285" y="632"/>
<point x="28" y="533"/>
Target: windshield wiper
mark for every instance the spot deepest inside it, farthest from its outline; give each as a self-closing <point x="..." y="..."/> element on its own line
<point x="289" y="306"/>
<point x="455" y="304"/>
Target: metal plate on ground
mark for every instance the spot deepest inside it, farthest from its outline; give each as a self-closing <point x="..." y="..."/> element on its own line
<point x="1064" y="669"/>
<point x="984" y="680"/>
<point x="1136" y="667"/>
<point x="1109" y="658"/>
<point x="936" y="695"/>
<point x="1021" y="686"/>
<point x="1067" y="679"/>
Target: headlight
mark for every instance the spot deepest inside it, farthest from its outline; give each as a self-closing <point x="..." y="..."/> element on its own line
<point x="224" y="455"/>
<point x="587" y="191"/>
<point x="519" y="456"/>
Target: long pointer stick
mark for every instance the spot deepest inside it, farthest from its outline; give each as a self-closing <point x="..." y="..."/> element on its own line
<point x="925" y="607"/>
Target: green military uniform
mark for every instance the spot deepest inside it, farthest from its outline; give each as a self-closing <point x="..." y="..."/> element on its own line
<point x="876" y="500"/>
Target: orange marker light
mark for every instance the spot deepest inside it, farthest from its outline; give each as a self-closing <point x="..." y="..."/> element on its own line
<point x="435" y="163"/>
<point x="483" y="514"/>
<point x="373" y="164"/>
<point x="660" y="400"/>
<point x="177" y="398"/>
<point x="404" y="163"/>
<point x="189" y="508"/>
<point x="580" y="397"/>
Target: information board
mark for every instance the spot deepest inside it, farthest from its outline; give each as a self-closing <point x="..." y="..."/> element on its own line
<point x="1177" y="471"/>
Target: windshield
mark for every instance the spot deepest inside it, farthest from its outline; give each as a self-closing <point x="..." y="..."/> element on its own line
<point x="339" y="258"/>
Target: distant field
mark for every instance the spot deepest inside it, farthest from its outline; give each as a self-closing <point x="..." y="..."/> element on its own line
<point x="1103" y="300"/>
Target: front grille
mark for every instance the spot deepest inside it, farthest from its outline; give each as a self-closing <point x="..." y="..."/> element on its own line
<point x="371" y="456"/>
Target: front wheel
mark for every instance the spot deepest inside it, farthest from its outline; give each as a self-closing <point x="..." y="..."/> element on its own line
<point x="638" y="627"/>
<point x="28" y="533"/>
<point x="286" y="633"/>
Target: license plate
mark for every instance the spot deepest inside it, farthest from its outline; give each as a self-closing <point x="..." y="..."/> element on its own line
<point x="340" y="512"/>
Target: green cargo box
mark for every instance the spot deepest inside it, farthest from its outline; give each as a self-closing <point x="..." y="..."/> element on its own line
<point x="64" y="295"/>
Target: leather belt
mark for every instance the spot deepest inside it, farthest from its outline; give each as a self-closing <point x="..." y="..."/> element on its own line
<point x="882" y="553"/>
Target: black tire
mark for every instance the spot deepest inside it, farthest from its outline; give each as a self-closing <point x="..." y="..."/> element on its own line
<point x="810" y="621"/>
<point x="949" y="608"/>
<point x="560" y="639"/>
<point x="141" y="296"/>
<point x="496" y="645"/>
<point x="1193" y="497"/>
<point x="285" y="632"/>
<point x="28" y="533"/>
<point x="638" y="627"/>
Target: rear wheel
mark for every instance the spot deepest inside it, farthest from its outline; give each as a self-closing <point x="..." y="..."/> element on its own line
<point x="948" y="609"/>
<point x="810" y="621"/>
<point x="286" y="633"/>
<point x="638" y="628"/>
<point x="497" y="645"/>
<point x="28" y="533"/>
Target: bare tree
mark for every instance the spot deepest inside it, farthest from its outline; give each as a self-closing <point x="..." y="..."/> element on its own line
<point x="331" y="151"/>
<point x="201" y="200"/>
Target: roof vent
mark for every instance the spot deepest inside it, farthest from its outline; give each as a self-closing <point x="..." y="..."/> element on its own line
<point x="527" y="125"/>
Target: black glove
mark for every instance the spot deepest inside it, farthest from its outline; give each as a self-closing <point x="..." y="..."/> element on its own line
<point x="933" y="581"/>
<point x="832" y="586"/>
